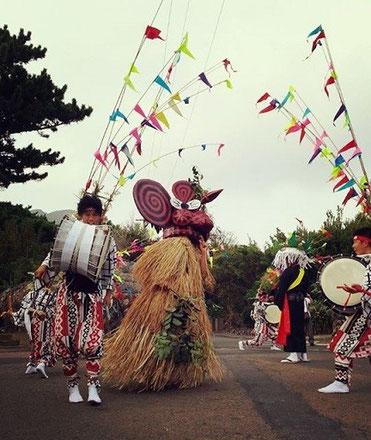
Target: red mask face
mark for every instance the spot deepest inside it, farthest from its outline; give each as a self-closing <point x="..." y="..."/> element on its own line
<point x="178" y="215"/>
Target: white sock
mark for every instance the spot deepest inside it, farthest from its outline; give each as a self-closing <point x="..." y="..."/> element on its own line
<point x="93" y="396"/>
<point x="75" y="396"/>
<point x="335" y="387"/>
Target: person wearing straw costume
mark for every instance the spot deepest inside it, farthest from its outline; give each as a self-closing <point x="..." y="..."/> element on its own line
<point x="289" y="297"/>
<point x="78" y="321"/>
<point x="165" y="338"/>
<point x="353" y="339"/>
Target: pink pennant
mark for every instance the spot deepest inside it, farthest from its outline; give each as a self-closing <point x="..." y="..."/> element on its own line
<point x="361" y="199"/>
<point x="357" y="152"/>
<point x="115" y="153"/>
<point x="139" y="110"/>
<point x="88" y="183"/>
<point x="293" y="129"/>
<point x="219" y="148"/>
<point x="227" y="63"/>
<point x="318" y="143"/>
<point x="135" y="134"/>
<point x="152" y="118"/>
<point x="99" y="157"/>
<point x="138" y="146"/>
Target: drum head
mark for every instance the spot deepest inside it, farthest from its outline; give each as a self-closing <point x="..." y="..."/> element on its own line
<point x="272" y="314"/>
<point x="338" y="271"/>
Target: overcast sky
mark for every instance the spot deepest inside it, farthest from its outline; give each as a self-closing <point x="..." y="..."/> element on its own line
<point x="266" y="179"/>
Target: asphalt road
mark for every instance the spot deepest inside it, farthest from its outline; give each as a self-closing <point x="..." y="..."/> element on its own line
<point x="260" y="398"/>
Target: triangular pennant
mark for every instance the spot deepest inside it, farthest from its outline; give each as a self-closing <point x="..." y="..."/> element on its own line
<point x="161" y="117"/>
<point x="349" y="184"/>
<point x="121" y="115"/>
<point x="129" y="83"/>
<point x="184" y="47"/>
<point x="341" y="182"/>
<point x="125" y="150"/>
<point x="176" y="97"/>
<point x="220" y="148"/>
<point x="138" y="147"/>
<point x="292" y="123"/>
<point x="154" y="121"/>
<point x="152" y="33"/>
<point x="339" y="112"/>
<point x="351" y="193"/>
<point x="339" y="160"/>
<point x="317" y="41"/>
<point x="174" y="107"/>
<point x="203" y="78"/>
<point x="99" y="157"/>
<point x="139" y="110"/>
<point x="357" y="152"/>
<point x="180" y="152"/>
<point x="330" y="81"/>
<point x="263" y="97"/>
<point x="115" y="153"/>
<point x="133" y="69"/>
<point x="158" y="80"/>
<point x="326" y="152"/>
<point x="315" y="31"/>
<point x="131" y="177"/>
<point x="349" y="145"/>
<point x="203" y="146"/>
<point x="136" y="135"/>
<point x="122" y="180"/>
<point x="154" y="162"/>
<point x="186" y="100"/>
<point x="228" y="84"/>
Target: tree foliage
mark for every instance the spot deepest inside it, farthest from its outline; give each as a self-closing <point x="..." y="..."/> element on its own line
<point x="28" y="102"/>
<point x="25" y="240"/>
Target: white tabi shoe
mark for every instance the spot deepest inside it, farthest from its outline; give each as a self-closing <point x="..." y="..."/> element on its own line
<point x="292" y="358"/>
<point x="41" y="370"/>
<point x="335" y="387"/>
<point x="93" y="396"/>
<point x="242" y="345"/>
<point x="75" y="396"/>
<point x="30" y="369"/>
<point x="303" y="357"/>
<point x="274" y="347"/>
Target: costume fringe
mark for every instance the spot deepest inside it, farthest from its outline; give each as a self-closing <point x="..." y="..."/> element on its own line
<point x="131" y="362"/>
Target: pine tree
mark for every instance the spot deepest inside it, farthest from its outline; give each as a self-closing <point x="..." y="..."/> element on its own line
<point x="28" y="102"/>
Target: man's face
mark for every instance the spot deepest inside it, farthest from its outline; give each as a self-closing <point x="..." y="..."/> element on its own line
<point x="361" y="247"/>
<point x="91" y="217"/>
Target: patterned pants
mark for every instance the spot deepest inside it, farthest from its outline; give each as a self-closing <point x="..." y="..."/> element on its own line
<point x="78" y="330"/>
<point x="343" y="368"/>
<point x="264" y="331"/>
<point x="42" y="349"/>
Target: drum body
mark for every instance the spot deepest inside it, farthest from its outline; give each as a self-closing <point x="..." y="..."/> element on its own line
<point x="338" y="271"/>
<point x="272" y="313"/>
<point x="80" y="248"/>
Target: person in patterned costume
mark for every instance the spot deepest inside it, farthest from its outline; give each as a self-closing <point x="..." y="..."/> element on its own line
<point x="36" y="314"/>
<point x="78" y="321"/>
<point x="353" y="339"/>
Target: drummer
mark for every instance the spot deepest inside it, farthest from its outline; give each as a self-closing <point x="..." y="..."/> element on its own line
<point x="353" y="339"/>
<point x="78" y="321"/>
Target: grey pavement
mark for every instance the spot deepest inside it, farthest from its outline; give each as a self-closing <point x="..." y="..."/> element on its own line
<point x="260" y="398"/>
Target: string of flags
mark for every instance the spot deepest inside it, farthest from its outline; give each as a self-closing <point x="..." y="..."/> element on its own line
<point x="310" y="128"/>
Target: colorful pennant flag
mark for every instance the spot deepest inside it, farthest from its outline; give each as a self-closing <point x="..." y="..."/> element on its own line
<point x="341" y="110"/>
<point x="152" y="33"/>
<point x="154" y="121"/>
<point x="122" y="180"/>
<point x="330" y="81"/>
<point x="203" y="78"/>
<point x="339" y="160"/>
<point x="341" y="182"/>
<point x="180" y="152"/>
<point x="272" y="106"/>
<point x="115" y="153"/>
<point x="174" y="107"/>
<point x="131" y="177"/>
<point x="99" y="157"/>
<point x="315" y="31"/>
<point x="176" y="97"/>
<point x="125" y="150"/>
<point x="154" y="162"/>
<point x="139" y="110"/>
<point x="227" y="63"/>
<point x="318" y="39"/>
<point x="138" y="147"/>
<point x="219" y="148"/>
<point x="315" y="154"/>
<point x="184" y="47"/>
<point x="326" y="152"/>
<point x="263" y="97"/>
<point x="348" y="146"/>
<point x="351" y="193"/>
<point x="186" y="100"/>
<point x="158" y="80"/>
<point x="135" y="134"/>
<point x="203" y="146"/>
<point x="306" y="112"/>
<point x="349" y="184"/>
<point x="129" y="83"/>
<point x="292" y="123"/>
<point x="88" y="183"/>
<point x="357" y="152"/>
<point x="228" y="84"/>
<point x="161" y="117"/>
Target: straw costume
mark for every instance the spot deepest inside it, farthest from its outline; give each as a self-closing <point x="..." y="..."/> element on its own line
<point x="289" y="297"/>
<point x="165" y="338"/>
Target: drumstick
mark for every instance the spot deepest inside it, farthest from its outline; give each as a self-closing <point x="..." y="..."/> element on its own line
<point x="347" y="300"/>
